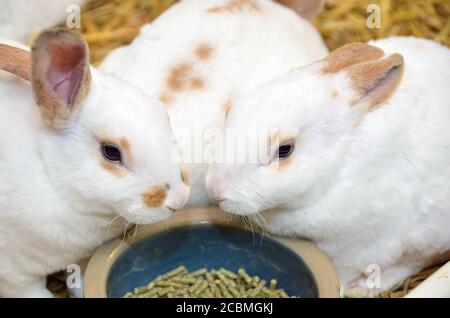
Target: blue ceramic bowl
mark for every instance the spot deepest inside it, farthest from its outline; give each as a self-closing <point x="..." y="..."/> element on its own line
<point x="213" y="247"/>
<point x="197" y="243"/>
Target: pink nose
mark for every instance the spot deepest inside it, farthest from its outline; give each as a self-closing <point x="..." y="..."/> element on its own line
<point x="215" y="190"/>
<point x="217" y="194"/>
<point x="178" y="197"/>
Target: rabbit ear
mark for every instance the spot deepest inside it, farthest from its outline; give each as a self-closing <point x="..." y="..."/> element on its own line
<point x="350" y="54"/>
<point x="308" y="9"/>
<point x="373" y="78"/>
<point x="15" y="61"/>
<point x="60" y="74"/>
<point x="375" y="81"/>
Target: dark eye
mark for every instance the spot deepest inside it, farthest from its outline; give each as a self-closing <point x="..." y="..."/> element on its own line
<point x="285" y="151"/>
<point x="111" y="152"/>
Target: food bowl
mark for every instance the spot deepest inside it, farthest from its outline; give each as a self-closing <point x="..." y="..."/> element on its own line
<point x="205" y="237"/>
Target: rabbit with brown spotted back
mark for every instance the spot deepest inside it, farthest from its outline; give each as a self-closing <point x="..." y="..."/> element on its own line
<point x="201" y="55"/>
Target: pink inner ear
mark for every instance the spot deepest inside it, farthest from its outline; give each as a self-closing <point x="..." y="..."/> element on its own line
<point x="65" y="72"/>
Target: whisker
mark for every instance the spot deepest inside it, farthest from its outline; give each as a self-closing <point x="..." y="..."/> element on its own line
<point x="108" y="228"/>
<point x="251" y="226"/>
<point x="124" y="234"/>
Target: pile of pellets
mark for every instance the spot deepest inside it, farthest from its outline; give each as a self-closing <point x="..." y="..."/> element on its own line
<point x="222" y="283"/>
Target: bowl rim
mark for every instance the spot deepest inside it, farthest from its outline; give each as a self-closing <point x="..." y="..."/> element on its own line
<point x="99" y="266"/>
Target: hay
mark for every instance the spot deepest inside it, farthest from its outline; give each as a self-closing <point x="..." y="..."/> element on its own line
<point x="346" y="21"/>
<point x="109" y="24"/>
<point x="410" y="283"/>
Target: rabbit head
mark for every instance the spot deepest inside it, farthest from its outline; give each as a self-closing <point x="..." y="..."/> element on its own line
<point x="106" y="146"/>
<point x="304" y="121"/>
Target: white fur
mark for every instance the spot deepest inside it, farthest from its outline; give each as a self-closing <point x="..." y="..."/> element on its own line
<point x="370" y="192"/>
<point x="249" y="48"/>
<point x="20" y="18"/>
<point x="56" y="201"/>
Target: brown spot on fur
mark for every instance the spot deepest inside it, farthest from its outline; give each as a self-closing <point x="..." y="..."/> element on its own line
<point x="350" y="54"/>
<point x="335" y="93"/>
<point x="178" y="77"/>
<point x="181" y="78"/>
<point x="203" y="52"/>
<point x="112" y="168"/>
<point x="197" y="83"/>
<point x="154" y="197"/>
<point x="234" y="6"/>
<point x="124" y="144"/>
<point x="281" y="164"/>
<point x="165" y="98"/>
<point x="227" y="106"/>
<point x="16" y="61"/>
<point x="185" y="177"/>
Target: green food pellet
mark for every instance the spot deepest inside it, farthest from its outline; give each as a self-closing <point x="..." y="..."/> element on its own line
<point x="273" y="284"/>
<point x="179" y="283"/>
<point x="140" y="290"/>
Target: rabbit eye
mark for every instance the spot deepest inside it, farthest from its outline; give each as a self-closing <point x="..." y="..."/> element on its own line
<point x="111" y="152"/>
<point x="285" y="151"/>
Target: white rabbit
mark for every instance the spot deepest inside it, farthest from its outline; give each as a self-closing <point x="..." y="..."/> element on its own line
<point x="20" y="18"/>
<point x="201" y="54"/>
<point x="87" y="150"/>
<point x="359" y="159"/>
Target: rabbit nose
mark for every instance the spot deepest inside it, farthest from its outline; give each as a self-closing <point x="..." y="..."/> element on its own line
<point x="216" y="194"/>
<point x="215" y="189"/>
<point x="178" y="197"/>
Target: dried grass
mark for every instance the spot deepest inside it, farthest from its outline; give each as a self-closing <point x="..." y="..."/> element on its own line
<point x="107" y="24"/>
<point x="346" y="21"/>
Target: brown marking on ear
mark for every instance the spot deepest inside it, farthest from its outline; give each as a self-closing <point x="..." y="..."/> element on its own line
<point x="185" y="177"/>
<point x="375" y="81"/>
<point x="154" y="197"/>
<point x="350" y="54"/>
<point x="203" y="51"/>
<point x="15" y="61"/>
<point x="179" y="76"/>
<point x="197" y="83"/>
<point x="60" y="74"/>
<point x="112" y="168"/>
<point x="227" y="106"/>
<point x="235" y="6"/>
